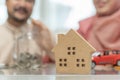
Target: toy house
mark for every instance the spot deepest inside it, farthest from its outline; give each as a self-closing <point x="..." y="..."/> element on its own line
<point x="73" y="54"/>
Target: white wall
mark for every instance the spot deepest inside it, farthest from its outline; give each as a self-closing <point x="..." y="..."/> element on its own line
<point x="58" y="15"/>
<point x="62" y="15"/>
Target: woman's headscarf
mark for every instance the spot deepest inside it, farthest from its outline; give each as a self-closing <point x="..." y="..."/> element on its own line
<point x="102" y="32"/>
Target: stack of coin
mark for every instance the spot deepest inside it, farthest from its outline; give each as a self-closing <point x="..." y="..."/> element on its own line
<point x="28" y="61"/>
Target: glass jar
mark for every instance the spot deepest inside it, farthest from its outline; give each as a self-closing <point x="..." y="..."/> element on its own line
<point x="28" y="52"/>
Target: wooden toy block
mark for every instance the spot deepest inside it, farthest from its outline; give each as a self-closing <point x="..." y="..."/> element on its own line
<point x="73" y="54"/>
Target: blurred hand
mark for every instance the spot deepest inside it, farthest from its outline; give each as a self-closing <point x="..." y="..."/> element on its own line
<point x="39" y="24"/>
<point x="45" y="39"/>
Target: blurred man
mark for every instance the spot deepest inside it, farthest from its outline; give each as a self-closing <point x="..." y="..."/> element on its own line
<point x="19" y="11"/>
<point x="103" y="29"/>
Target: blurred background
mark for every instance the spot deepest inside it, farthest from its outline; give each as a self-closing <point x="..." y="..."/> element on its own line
<point x="58" y="15"/>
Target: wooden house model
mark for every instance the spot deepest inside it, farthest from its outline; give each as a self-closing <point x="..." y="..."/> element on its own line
<point x="73" y="54"/>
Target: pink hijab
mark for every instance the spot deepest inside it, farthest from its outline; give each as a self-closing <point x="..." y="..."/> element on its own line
<point x="102" y="32"/>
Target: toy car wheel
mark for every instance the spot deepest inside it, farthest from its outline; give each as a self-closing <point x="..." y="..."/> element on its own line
<point x="118" y="63"/>
<point x="93" y="64"/>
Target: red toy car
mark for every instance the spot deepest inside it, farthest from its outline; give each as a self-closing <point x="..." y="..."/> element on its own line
<point x="106" y="57"/>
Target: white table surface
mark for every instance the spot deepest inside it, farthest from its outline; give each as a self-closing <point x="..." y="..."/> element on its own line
<point x="61" y="77"/>
<point x="49" y="73"/>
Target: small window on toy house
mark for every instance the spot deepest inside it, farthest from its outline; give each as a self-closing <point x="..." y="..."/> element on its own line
<point x="60" y="60"/>
<point x="83" y="65"/>
<point x="74" y="48"/>
<point x="60" y="64"/>
<point x="71" y="50"/>
<point x="73" y="53"/>
<point x="83" y="60"/>
<point x="63" y="62"/>
<point x="78" y="60"/>
<point x="69" y="53"/>
<point x="80" y="63"/>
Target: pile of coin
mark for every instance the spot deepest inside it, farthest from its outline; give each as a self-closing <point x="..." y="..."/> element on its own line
<point x="28" y="61"/>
